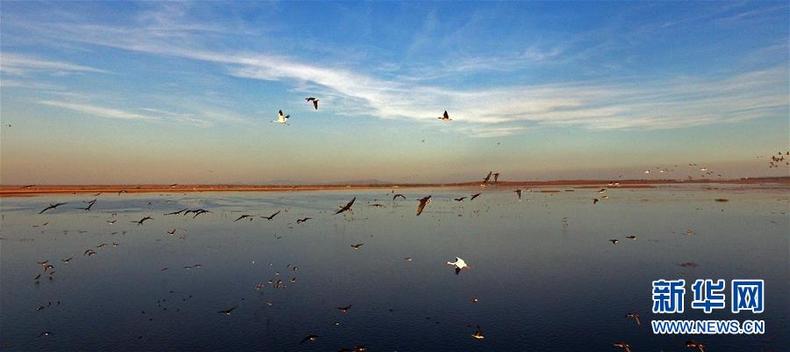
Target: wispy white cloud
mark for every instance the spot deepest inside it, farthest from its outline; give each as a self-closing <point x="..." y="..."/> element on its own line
<point x="490" y="111"/>
<point x="20" y="64"/>
<point x="99" y="111"/>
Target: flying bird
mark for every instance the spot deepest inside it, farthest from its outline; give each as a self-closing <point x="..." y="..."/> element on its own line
<point x="623" y="346"/>
<point x="478" y="334"/>
<point x="177" y="212"/>
<point x="346" y="207"/>
<point x="423" y="202"/>
<point x="271" y="216"/>
<point x="631" y="237"/>
<point x="313" y="100"/>
<point x="344" y="309"/>
<point x="299" y="221"/>
<point x="398" y="195"/>
<point x="488" y="177"/>
<point x="518" y="193"/>
<point x="474" y="196"/>
<point x="282" y="118"/>
<point x="141" y="221"/>
<point x="51" y="206"/>
<point x="614" y="241"/>
<point x="357" y="246"/>
<point x="595" y="200"/>
<point x="496" y="177"/>
<point x="245" y="216"/>
<point x="635" y="317"/>
<point x="445" y="116"/>
<point x="228" y="311"/>
<point x="460" y="199"/>
<point x="90" y="205"/>
<point x="458" y="264"/>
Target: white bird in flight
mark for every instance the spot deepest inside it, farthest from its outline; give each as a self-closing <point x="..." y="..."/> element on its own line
<point x="458" y="264"/>
<point x="282" y="118"/>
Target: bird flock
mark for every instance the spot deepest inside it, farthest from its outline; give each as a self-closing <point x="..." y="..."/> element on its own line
<point x="458" y="264"/>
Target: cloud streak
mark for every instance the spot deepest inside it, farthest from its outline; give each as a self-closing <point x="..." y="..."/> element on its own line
<point x="20" y="64"/>
<point x="482" y="112"/>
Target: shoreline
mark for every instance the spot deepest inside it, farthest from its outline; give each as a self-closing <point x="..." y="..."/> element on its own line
<point x="34" y="190"/>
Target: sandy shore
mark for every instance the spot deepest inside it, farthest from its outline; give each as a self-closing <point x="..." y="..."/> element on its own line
<point x="31" y="190"/>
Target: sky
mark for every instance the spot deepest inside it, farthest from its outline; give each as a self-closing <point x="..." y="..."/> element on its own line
<point x="185" y="92"/>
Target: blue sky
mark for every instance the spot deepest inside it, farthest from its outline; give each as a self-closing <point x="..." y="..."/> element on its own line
<point x="160" y="92"/>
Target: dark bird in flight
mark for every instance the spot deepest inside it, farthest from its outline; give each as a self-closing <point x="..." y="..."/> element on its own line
<point x="228" y="311"/>
<point x="496" y="177"/>
<point x="90" y="205"/>
<point x="614" y="241"/>
<point x="44" y="333"/>
<point x="699" y="346"/>
<point x="346" y="207"/>
<point x="595" y="200"/>
<point x="344" y="309"/>
<point x="313" y="100"/>
<point x="478" y="334"/>
<point x="67" y="260"/>
<point x="198" y="212"/>
<point x="423" y="202"/>
<point x="141" y="221"/>
<point x="445" y="116"/>
<point x="488" y="177"/>
<point x="245" y="216"/>
<point x="89" y="252"/>
<point x="474" y="196"/>
<point x="51" y="206"/>
<point x="357" y="246"/>
<point x="299" y="221"/>
<point x="177" y="212"/>
<point x="631" y="237"/>
<point x="171" y="232"/>
<point x="309" y="338"/>
<point x="460" y="199"/>
<point x="635" y="317"/>
<point x="623" y="346"/>
<point x="398" y="195"/>
<point x="518" y="193"/>
<point x="271" y="216"/>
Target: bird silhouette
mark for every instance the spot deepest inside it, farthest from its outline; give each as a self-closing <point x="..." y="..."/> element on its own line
<point x="90" y="205"/>
<point x="346" y="207"/>
<point x="313" y="100"/>
<point x="270" y="217"/>
<point x="51" y="206"/>
<point x="423" y="202"/>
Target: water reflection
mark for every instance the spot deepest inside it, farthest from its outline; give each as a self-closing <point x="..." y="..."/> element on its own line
<point x="544" y="273"/>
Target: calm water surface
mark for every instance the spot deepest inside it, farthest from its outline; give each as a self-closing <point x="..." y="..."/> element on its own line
<point x="546" y="276"/>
